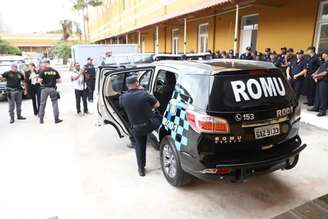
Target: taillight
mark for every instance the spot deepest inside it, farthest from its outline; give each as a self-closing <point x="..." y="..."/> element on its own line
<point x="297" y="114"/>
<point x="207" y="124"/>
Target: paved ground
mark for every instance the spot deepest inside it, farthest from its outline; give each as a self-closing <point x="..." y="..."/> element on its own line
<point x="77" y="171"/>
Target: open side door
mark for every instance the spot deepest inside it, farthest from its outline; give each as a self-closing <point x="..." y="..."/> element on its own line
<point x="112" y="86"/>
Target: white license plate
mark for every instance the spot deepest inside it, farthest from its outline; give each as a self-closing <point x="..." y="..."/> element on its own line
<point x="267" y="131"/>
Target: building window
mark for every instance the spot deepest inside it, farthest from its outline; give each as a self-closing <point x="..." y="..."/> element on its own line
<point x="322" y="27"/>
<point x="248" y="34"/>
<point x="175" y="41"/>
<point x="203" y="38"/>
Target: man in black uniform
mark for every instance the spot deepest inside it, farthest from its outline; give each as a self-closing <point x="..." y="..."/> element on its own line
<point x="274" y="59"/>
<point x="321" y="78"/>
<point x="14" y="94"/>
<point x="49" y="78"/>
<point x="247" y="55"/>
<point x="267" y="55"/>
<point x="90" y="76"/>
<point x="282" y="59"/>
<point x="297" y="73"/>
<point x="139" y="105"/>
<point x="313" y="63"/>
<point x="231" y="54"/>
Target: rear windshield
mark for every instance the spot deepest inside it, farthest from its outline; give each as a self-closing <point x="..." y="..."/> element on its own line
<point x="249" y="90"/>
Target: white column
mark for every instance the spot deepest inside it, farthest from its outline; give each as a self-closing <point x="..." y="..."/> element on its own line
<point x="235" y="41"/>
<point x="157" y="41"/>
<point x="139" y="41"/>
<point x="185" y="36"/>
<point x="127" y="38"/>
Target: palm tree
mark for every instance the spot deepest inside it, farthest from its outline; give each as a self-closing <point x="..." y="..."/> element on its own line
<point x="83" y="6"/>
<point x="69" y="27"/>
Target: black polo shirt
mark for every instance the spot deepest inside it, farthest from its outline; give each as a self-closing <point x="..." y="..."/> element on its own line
<point x="91" y="71"/>
<point x="246" y="56"/>
<point x="14" y="79"/>
<point x="138" y="105"/>
<point x="313" y="63"/>
<point x="298" y="65"/>
<point x="49" y="77"/>
<point x="323" y="67"/>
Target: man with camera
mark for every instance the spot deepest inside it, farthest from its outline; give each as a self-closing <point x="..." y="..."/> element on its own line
<point x="48" y="78"/>
<point x="80" y="88"/>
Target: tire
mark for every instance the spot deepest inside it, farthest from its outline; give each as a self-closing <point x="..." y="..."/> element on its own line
<point x="171" y="166"/>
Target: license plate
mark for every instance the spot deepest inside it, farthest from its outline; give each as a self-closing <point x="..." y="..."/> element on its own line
<point x="267" y="131"/>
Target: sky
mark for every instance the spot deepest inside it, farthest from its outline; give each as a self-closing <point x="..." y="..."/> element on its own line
<point x="29" y="16"/>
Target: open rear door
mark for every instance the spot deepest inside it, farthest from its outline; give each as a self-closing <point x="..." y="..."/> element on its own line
<point x="112" y="86"/>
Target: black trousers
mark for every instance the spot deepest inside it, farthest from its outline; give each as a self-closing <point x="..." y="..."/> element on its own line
<point x="35" y="94"/>
<point x="321" y="100"/>
<point x="310" y="89"/>
<point x="91" y="83"/>
<point x="81" y="94"/>
<point x="297" y="86"/>
<point x="140" y="147"/>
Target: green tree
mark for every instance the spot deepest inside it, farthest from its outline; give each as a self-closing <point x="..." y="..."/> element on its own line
<point x="83" y="6"/>
<point x="62" y="50"/>
<point x="7" y="48"/>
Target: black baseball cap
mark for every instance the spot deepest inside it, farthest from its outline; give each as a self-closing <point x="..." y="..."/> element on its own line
<point x="132" y="79"/>
<point x="300" y="52"/>
<point x="311" y="48"/>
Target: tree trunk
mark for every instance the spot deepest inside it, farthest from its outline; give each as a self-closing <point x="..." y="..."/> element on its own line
<point x="84" y="24"/>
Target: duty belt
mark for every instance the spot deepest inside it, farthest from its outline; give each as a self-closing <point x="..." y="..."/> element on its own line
<point x="13" y="89"/>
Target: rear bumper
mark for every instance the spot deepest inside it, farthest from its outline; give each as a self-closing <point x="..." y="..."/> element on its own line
<point x="245" y="169"/>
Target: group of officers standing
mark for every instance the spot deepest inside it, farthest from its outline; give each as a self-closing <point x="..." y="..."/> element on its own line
<point x="41" y="83"/>
<point x="306" y="72"/>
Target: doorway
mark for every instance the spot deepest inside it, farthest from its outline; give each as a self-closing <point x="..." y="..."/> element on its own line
<point x="248" y="33"/>
<point x="175" y="41"/>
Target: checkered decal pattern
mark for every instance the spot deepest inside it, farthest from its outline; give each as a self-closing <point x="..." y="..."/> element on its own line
<point x="175" y="121"/>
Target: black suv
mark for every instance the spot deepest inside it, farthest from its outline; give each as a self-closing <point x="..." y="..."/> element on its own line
<point x="222" y="119"/>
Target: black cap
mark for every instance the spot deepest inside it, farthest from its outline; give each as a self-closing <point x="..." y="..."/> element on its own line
<point x="89" y="58"/>
<point x="132" y="79"/>
<point x="248" y="48"/>
<point x="268" y="50"/>
<point x="300" y="52"/>
<point x="312" y="48"/>
<point x="290" y="50"/>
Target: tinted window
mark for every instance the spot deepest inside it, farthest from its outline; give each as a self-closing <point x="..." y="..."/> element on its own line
<point x="194" y="90"/>
<point x="145" y="79"/>
<point x="245" y="91"/>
